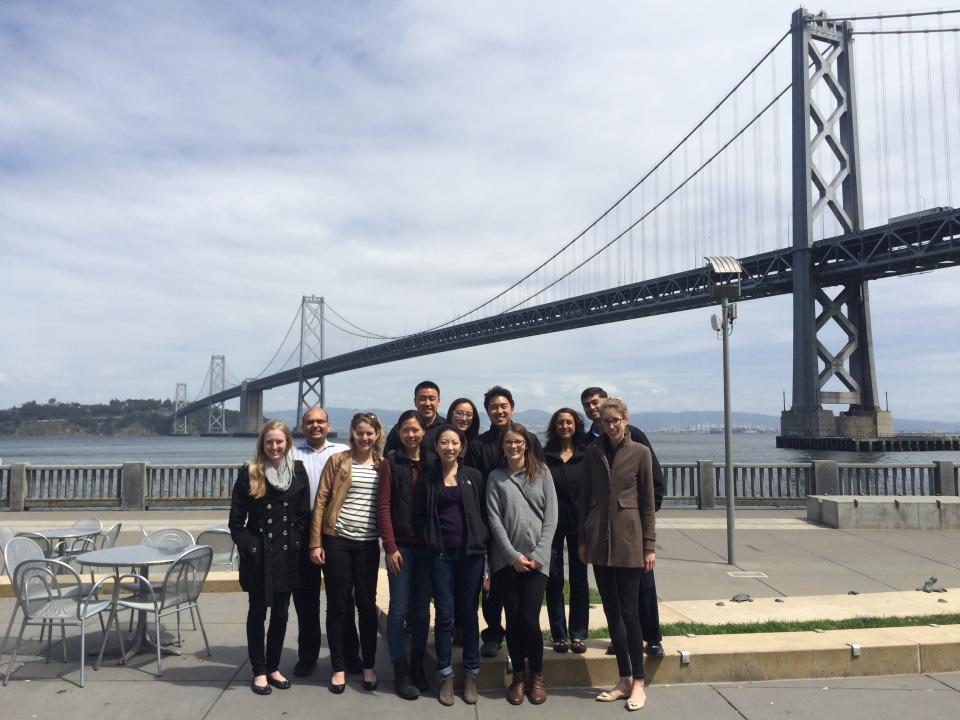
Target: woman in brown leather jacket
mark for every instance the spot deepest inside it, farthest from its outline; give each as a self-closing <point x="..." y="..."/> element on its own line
<point x="345" y="540"/>
<point x="618" y="535"/>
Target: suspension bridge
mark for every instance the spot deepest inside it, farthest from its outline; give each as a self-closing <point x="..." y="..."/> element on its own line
<point x="774" y="175"/>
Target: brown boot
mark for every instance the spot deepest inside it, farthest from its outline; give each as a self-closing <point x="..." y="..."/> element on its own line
<point x="515" y="691"/>
<point x="538" y="690"/>
<point x="470" y="689"/>
<point x="446" y="690"/>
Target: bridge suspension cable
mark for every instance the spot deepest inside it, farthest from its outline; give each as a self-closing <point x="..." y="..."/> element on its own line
<point x="365" y="333"/>
<point x="660" y="163"/>
<point x="296" y="316"/>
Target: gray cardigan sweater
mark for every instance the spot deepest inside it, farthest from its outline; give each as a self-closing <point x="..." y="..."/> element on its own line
<point x="522" y="516"/>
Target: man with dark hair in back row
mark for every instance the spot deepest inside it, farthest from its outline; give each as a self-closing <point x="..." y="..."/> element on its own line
<point x="485" y="454"/>
<point x="591" y="399"/>
<point x="426" y="398"/>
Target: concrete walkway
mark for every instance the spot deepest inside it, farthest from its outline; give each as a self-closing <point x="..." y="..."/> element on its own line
<point x="779" y="554"/>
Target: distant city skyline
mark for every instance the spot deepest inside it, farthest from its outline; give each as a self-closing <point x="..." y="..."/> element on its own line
<point x="176" y="176"/>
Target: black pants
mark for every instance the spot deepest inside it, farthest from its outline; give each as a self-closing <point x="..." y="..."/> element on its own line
<point x="492" y="606"/>
<point x="306" y="599"/>
<point x="649" y="610"/>
<point x="256" y="615"/>
<point x="351" y="565"/>
<point x="522" y="597"/>
<point x="619" y="589"/>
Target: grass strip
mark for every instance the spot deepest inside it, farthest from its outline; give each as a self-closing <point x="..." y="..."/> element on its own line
<point x="778" y="626"/>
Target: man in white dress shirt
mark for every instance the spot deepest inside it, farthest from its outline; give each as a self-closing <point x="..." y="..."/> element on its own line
<point x="314" y="453"/>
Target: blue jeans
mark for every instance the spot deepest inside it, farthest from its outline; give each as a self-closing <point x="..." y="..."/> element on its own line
<point x="409" y="593"/>
<point x="579" y="592"/>
<point x="460" y="574"/>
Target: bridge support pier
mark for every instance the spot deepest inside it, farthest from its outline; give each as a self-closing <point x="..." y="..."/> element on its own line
<point x="826" y="188"/>
<point x="251" y="409"/>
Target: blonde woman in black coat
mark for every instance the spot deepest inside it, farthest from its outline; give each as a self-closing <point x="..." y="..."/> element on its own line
<point x="268" y="521"/>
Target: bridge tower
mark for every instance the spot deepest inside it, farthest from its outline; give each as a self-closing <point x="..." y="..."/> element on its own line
<point x="311" y="392"/>
<point x="826" y="187"/>
<point x="218" y="371"/>
<point x="179" y="400"/>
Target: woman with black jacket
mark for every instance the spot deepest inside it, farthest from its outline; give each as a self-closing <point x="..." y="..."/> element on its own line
<point x="452" y="520"/>
<point x="566" y="441"/>
<point x="406" y="554"/>
<point x="268" y="523"/>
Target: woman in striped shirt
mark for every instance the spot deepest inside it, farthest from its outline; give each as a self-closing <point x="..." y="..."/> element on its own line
<point x="344" y="539"/>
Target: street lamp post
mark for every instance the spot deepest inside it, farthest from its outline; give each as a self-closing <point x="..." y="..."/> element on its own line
<point x="725" y="285"/>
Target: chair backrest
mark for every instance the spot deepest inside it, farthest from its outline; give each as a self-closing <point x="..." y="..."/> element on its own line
<point x="39" y="582"/>
<point x="168" y="537"/>
<point x="41" y="542"/>
<point x="184" y="580"/>
<point x="6" y="534"/>
<point x="18" y="550"/>
<point x="90" y="523"/>
<point x="108" y="538"/>
<point x="222" y="545"/>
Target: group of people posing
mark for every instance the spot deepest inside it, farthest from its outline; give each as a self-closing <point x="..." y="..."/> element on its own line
<point x="461" y="515"/>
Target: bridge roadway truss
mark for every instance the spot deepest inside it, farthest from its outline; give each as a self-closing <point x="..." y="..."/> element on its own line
<point x="923" y="244"/>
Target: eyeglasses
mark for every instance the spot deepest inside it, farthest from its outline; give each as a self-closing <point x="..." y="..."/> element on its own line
<point x="612" y="421"/>
<point x="513" y="443"/>
<point x="463" y="414"/>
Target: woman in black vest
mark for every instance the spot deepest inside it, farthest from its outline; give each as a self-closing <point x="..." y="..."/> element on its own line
<point x="406" y="554"/>
<point x="268" y="522"/>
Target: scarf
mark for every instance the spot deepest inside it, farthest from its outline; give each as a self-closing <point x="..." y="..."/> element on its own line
<point x="281" y="477"/>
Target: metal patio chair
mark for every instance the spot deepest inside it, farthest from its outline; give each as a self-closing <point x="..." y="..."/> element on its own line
<point x="44" y="598"/>
<point x="167" y="537"/>
<point x="179" y="591"/>
<point x="224" y="551"/>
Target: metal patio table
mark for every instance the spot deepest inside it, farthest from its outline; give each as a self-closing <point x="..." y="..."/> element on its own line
<point x="141" y="557"/>
<point x="68" y="533"/>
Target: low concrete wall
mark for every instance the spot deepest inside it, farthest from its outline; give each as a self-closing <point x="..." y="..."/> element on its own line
<point x="854" y="512"/>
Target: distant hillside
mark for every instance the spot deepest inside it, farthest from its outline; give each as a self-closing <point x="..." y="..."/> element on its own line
<point x="118" y="417"/>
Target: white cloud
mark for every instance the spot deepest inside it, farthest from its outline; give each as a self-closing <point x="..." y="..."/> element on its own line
<point x="175" y="176"/>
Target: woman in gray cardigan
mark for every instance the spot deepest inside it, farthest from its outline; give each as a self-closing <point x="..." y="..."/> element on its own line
<point x="522" y="515"/>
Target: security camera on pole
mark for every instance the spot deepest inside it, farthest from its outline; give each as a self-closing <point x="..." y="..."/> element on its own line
<point x="725" y="285"/>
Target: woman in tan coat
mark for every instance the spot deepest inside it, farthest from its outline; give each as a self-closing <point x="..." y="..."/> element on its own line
<point x="618" y="535"/>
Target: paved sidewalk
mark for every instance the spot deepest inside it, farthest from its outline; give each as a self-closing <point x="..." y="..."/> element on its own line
<point x="798" y="560"/>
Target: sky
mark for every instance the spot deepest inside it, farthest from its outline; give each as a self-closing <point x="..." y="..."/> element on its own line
<point x="175" y="176"/>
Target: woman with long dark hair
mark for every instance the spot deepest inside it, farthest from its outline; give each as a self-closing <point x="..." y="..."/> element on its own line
<point x="463" y="415"/>
<point x="344" y="539"/>
<point x="452" y="519"/>
<point x="522" y="515"/>
<point x="406" y="554"/>
<point x="268" y="519"/>
<point x="618" y="534"/>
<point x="564" y="450"/>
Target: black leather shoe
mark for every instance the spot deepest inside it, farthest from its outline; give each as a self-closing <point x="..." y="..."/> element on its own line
<point x="278" y="684"/>
<point x="337" y="689"/>
<point x="369" y="684"/>
<point x="303" y="669"/>
<point x="655" y="650"/>
<point x="610" y="650"/>
<point x="261" y="689"/>
<point x="490" y="648"/>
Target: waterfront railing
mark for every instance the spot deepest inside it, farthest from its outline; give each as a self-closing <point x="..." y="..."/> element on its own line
<point x="140" y="486"/>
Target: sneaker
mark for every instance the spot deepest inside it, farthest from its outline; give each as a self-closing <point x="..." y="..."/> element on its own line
<point x="490" y="648"/>
<point x="610" y="650"/>
<point x="655" y="650"/>
<point x="560" y="646"/>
